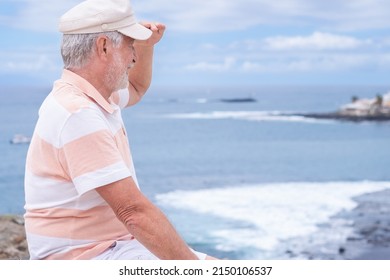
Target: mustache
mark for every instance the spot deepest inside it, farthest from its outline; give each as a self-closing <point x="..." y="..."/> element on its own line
<point x="131" y="65"/>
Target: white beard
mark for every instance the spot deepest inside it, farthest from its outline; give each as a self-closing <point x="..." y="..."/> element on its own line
<point x="115" y="80"/>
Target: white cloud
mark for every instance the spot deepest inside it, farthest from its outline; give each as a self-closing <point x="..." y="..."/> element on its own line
<point x="254" y="67"/>
<point x="37" y="15"/>
<point x="198" y="16"/>
<point x="225" y="15"/>
<point x="317" y="52"/>
<point x="310" y="63"/>
<point x="316" y="41"/>
<point x="224" y="66"/>
<point x="29" y="61"/>
<point x="220" y="15"/>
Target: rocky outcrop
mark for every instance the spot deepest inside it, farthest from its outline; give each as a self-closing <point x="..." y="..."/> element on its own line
<point x="13" y="245"/>
<point x="347" y="116"/>
<point x="359" y="110"/>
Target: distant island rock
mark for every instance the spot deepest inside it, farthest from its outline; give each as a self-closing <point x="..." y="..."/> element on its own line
<point x="376" y="109"/>
<point x="233" y="100"/>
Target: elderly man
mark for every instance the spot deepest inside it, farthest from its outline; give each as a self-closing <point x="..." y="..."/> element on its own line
<point x="82" y="196"/>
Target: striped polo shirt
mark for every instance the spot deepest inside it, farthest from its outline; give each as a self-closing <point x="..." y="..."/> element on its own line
<point x="78" y="145"/>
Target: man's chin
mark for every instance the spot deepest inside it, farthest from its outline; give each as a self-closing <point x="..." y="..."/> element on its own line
<point x="123" y="85"/>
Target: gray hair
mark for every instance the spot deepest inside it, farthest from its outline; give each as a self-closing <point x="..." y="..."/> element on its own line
<point x="76" y="49"/>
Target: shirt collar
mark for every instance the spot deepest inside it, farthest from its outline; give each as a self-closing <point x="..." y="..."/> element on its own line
<point x="88" y="89"/>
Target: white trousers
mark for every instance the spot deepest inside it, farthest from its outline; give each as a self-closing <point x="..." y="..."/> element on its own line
<point x="132" y="250"/>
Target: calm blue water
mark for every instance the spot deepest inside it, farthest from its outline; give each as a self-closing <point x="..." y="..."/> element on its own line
<point x="236" y="179"/>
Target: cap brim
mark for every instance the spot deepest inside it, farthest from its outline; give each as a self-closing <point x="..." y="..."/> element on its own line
<point x="136" y="31"/>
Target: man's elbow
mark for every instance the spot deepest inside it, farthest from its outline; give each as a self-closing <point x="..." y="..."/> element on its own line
<point x="130" y="215"/>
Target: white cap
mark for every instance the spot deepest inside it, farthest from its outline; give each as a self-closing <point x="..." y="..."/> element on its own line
<point x="94" y="16"/>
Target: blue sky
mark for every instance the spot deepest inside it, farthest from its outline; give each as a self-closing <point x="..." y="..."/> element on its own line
<point x="222" y="42"/>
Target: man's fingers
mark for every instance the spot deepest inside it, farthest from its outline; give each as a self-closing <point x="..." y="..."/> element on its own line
<point x="154" y="26"/>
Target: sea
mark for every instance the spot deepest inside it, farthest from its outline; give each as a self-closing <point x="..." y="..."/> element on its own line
<point x="239" y="180"/>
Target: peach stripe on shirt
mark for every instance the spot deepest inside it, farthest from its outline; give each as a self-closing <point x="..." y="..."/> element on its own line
<point x="42" y="160"/>
<point x="104" y="153"/>
<point x="94" y="224"/>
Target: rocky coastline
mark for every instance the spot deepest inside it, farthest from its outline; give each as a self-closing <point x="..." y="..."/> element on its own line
<point x="370" y="231"/>
<point x="13" y="244"/>
<point x="371" y="223"/>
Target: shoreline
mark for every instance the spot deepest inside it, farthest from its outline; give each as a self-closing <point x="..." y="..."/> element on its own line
<point x="370" y="239"/>
<point x="339" y="116"/>
<point x="369" y="236"/>
<point x="371" y="224"/>
<point x="348" y="117"/>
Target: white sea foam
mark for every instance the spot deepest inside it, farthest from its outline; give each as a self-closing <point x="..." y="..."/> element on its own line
<point x="249" y="116"/>
<point x="275" y="212"/>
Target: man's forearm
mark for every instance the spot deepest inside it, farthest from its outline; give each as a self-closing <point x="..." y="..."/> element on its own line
<point x="140" y="76"/>
<point x="157" y="234"/>
<point x="144" y="220"/>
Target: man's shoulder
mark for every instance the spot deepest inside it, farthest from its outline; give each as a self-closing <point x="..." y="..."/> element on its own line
<point x="65" y="102"/>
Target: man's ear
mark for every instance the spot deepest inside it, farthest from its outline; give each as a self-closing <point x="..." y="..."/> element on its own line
<point x="101" y="46"/>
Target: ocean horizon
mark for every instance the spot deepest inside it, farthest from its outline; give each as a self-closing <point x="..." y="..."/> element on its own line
<point x="239" y="180"/>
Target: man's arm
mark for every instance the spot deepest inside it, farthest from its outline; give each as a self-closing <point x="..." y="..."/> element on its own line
<point x="145" y="221"/>
<point x="140" y="76"/>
